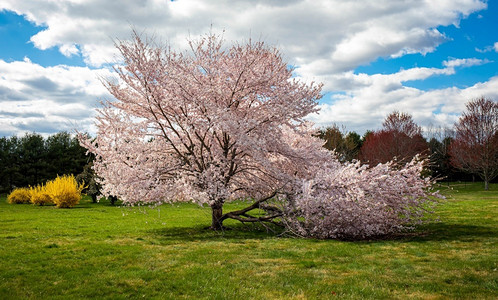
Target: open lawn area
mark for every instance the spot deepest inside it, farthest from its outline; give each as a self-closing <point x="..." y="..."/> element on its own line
<point x="101" y="251"/>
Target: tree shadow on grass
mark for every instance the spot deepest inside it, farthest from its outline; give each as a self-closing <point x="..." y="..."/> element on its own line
<point x="428" y="233"/>
<point x="202" y="233"/>
<point x="435" y="232"/>
<point x="449" y="232"/>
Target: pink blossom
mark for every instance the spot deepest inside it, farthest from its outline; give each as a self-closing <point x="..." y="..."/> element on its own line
<point x="218" y="124"/>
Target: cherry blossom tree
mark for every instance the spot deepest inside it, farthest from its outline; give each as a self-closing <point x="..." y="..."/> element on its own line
<point x="475" y="146"/>
<point x="355" y="202"/>
<point x="218" y="124"/>
<point x="206" y="125"/>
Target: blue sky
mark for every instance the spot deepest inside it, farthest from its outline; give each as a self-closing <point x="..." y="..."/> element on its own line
<point x="475" y="33"/>
<point x="15" y="34"/>
<point x="426" y="59"/>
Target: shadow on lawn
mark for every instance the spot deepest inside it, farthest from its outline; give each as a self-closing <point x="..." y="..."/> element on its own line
<point x="428" y="233"/>
<point x="449" y="232"/>
<point x="196" y="233"/>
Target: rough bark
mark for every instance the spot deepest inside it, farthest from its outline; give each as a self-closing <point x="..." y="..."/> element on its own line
<point x="217" y="217"/>
<point x="272" y="212"/>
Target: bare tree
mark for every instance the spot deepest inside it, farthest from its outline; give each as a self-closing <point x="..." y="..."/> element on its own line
<point x="475" y="147"/>
<point x="402" y="123"/>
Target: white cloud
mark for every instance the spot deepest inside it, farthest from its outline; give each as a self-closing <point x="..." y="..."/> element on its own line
<point x="369" y="98"/>
<point x="35" y="98"/>
<point x="489" y="48"/>
<point x="365" y="107"/>
<point x="69" y="50"/>
<point x="325" y="39"/>
<point x="320" y="36"/>
<point x="464" y="62"/>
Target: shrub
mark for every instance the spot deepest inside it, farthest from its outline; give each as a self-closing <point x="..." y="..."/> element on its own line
<point x="19" y="196"/>
<point x="64" y="191"/>
<point x="40" y="196"/>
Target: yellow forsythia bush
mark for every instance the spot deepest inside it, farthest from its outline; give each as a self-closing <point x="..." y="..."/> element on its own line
<point x="40" y="196"/>
<point x="19" y="196"/>
<point x="64" y="191"/>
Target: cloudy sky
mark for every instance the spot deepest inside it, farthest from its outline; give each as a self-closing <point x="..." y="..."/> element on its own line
<point x="426" y="58"/>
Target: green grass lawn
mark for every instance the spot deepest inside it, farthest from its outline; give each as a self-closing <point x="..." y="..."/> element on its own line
<point x="101" y="251"/>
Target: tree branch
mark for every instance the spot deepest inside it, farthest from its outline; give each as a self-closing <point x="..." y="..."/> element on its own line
<point x="241" y="215"/>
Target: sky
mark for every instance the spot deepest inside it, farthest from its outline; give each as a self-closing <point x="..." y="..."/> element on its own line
<point x="426" y="58"/>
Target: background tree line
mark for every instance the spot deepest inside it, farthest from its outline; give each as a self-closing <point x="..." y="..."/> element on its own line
<point x="455" y="154"/>
<point x="32" y="159"/>
<point x="461" y="153"/>
<point x="387" y="144"/>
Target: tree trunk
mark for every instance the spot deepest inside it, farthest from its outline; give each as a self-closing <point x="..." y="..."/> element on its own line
<point x="486" y="184"/>
<point x="217" y="213"/>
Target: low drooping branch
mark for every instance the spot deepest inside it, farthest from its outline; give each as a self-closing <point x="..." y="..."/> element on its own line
<point x="244" y="216"/>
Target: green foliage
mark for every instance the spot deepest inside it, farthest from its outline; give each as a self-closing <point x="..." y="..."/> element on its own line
<point x="33" y="165"/>
<point x="66" y="154"/>
<point x="31" y="160"/>
<point x="347" y="146"/>
<point x="165" y="254"/>
<point x="10" y="175"/>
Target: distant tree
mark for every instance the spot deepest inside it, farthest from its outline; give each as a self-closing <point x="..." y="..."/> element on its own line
<point x="346" y="146"/>
<point x="32" y="159"/>
<point x="475" y="147"/>
<point x="33" y="163"/>
<point x="4" y="154"/>
<point x="65" y="155"/>
<point x="400" y="122"/>
<point x="8" y="163"/>
<point x="378" y="148"/>
<point x="352" y="145"/>
<point x="365" y="135"/>
<point x="332" y="136"/>
<point x="440" y="166"/>
<point x="57" y="146"/>
<point x="401" y="139"/>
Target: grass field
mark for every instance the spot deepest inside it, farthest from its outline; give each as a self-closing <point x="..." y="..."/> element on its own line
<point x="101" y="251"/>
